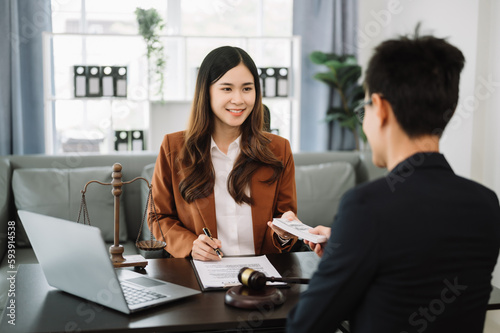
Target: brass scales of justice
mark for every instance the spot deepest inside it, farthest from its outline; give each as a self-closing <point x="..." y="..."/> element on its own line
<point x="116" y="250"/>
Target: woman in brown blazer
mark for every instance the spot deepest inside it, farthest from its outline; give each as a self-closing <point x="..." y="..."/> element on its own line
<point x="224" y="172"/>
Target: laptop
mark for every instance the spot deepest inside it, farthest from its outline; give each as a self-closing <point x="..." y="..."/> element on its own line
<point x="74" y="259"/>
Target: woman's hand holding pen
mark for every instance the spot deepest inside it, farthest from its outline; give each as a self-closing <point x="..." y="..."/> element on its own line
<point x="203" y="248"/>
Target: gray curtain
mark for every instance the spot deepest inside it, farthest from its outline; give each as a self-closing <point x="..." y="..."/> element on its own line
<point x="21" y="81"/>
<point x="327" y="26"/>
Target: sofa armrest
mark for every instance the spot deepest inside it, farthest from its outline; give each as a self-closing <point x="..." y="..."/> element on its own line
<point x="5" y="199"/>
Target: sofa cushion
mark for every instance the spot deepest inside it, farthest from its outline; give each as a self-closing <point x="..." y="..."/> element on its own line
<point x="5" y="198"/>
<point x="56" y="192"/>
<point x="319" y="190"/>
<point x="4" y="185"/>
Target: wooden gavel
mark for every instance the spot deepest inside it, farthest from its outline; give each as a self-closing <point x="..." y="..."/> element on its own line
<point x="257" y="280"/>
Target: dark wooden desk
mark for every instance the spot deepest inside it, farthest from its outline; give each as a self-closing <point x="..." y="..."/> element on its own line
<point x="41" y="308"/>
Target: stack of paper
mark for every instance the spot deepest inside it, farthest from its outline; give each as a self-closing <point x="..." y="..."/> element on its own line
<point x="224" y="274"/>
<point x="299" y="229"/>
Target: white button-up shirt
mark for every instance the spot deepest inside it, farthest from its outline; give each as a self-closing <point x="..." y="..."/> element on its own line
<point x="234" y="221"/>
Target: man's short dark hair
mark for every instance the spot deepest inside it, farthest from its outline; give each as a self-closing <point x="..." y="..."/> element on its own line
<point x="419" y="76"/>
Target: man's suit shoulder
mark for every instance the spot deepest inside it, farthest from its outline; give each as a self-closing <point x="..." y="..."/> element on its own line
<point x="374" y="188"/>
<point x="478" y="189"/>
<point x="380" y="189"/>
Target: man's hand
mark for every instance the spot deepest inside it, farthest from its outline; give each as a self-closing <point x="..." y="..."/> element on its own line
<point x="319" y="249"/>
<point x="203" y="248"/>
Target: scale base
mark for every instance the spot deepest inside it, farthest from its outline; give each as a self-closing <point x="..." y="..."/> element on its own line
<point x="135" y="260"/>
<point x="246" y="298"/>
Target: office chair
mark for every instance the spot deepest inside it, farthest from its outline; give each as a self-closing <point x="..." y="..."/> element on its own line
<point x="267" y="119"/>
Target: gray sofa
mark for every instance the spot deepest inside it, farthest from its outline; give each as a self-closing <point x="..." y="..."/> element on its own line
<point x="51" y="185"/>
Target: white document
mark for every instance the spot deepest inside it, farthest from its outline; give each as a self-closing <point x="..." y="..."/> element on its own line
<point x="224" y="273"/>
<point x="299" y="229"/>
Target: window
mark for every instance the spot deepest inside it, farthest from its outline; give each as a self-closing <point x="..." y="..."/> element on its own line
<point x="237" y="18"/>
<point x="197" y="17"/>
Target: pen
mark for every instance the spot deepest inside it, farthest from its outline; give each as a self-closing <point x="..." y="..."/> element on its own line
<point x="207" y="232"/>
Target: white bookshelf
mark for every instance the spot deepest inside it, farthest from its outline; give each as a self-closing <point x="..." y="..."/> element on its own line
<point x="141" y="109"/>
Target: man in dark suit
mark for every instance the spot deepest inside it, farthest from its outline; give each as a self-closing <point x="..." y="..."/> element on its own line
<point x="415" y="250"/>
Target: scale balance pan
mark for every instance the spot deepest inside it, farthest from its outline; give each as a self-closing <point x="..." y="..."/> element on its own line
<point x="246" y="298"/>
<point x="150" y="245"/>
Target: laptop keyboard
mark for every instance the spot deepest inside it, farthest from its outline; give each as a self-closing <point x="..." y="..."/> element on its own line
<point x="134" y="295"/>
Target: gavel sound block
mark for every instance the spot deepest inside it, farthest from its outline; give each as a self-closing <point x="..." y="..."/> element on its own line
<point x="254" y="293"/>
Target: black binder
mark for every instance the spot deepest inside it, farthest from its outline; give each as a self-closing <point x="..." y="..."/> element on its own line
<point x="94" y="81"/>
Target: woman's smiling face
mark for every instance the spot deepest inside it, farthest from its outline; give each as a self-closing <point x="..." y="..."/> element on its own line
<point x="232" y="98"/>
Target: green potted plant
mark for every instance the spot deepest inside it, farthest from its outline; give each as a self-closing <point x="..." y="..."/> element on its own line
<point x="150" y="27"/>
<point x="342" y="78"/>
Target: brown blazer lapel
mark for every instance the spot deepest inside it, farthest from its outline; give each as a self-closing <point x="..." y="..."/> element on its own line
<point x="206" y="208"/>
<point x="264" y="197"/>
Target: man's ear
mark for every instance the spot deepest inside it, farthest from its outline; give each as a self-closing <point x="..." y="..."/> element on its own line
<point x="380" y="108"/>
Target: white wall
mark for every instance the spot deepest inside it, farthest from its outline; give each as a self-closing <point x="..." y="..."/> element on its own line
<point x="382" y="19"/>
<point x="486" y="138"/>
<point x="166" y="118"/>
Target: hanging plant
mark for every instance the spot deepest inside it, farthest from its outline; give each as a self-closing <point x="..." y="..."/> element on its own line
<point x="150" y="27"/>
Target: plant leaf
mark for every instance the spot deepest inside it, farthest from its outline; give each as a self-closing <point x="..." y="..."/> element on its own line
<point x="150" y="26"/>
<point x="343" y="76"/>
<point x="362" y="134"/>
<point x="350" y="60"/>
<point x="334" y="110"/>
<point x="327" y="77"/>
<point x="348" y="76"/>
<point x="356" y="96"/>
<point x="332" y="117"/>
<point x="334" y="65"/>
<point x="350" y="122"/>
<point x="319" y="58"/>
<point x="337" y="114"/>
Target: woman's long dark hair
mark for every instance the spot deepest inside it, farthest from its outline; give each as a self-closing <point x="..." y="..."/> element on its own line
<point x="195" y="158"/>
